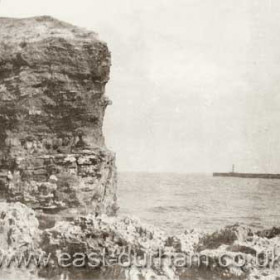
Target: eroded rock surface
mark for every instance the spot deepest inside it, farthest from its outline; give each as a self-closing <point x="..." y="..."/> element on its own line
<point x="234" y="252"/>
<point x="20" y="238"/>
<point x="110" y="238"/>
<point x="52" y="104"/>
<point x="18" y="227"/>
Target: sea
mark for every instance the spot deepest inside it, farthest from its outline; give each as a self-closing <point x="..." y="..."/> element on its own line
<point x="179" y="202"/>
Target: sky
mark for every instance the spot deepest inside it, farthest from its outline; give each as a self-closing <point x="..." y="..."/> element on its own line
<point x="195" y="83"/>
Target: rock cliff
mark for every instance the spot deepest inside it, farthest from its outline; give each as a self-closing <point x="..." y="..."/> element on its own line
<point x="52" y="104"/>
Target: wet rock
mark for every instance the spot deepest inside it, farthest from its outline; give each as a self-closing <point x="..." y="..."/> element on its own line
<point x="248" y="254"/>
<point x="270" y="233"/>
<point x="225" y="236"/>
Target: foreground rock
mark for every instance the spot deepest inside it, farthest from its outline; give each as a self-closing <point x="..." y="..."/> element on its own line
<point x="18" y="227"/>
<point x="52" y="104"/>
<point x="102" y="247"/>
<point x="238" y="251"/>
<point x="19" y="239"/>
<point x="128" y="249"/>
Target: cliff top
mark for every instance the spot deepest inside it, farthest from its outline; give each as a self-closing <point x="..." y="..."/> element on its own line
<point x="38" y="28"/>
<point x="52" y="83"/>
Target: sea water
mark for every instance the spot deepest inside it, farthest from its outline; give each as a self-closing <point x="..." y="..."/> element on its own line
<point x="176" y="202"/>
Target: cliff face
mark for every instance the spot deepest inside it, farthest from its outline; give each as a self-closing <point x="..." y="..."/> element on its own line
<point x="52" y="103"/>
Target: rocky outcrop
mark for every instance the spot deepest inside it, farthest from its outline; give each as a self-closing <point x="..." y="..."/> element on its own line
<point x="105" y="244"/>
<point x="103" y="232"/>
<point x="234" y="252"/>
<point x="52" y="104"/>
<point x="19" y="239"/>
<point x="102" y="247"/>
<point x="239" y="252"/>
<point x="18" y="227"/>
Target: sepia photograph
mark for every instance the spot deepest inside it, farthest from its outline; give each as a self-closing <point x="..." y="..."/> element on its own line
<point x="139" y="140"/>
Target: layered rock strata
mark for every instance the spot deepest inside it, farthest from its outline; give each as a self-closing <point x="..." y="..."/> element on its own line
<point x="52" y="104"/>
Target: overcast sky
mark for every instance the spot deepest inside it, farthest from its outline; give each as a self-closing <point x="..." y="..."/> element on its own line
<point x="195" y="83"/>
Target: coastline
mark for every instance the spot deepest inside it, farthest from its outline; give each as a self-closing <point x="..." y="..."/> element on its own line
<point x="78" y="246"/>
